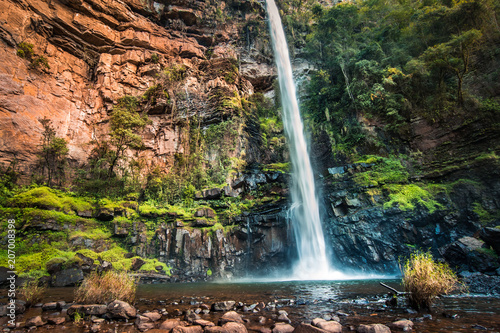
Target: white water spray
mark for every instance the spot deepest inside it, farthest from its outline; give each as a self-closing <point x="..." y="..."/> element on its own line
<point x="313" y="263"/>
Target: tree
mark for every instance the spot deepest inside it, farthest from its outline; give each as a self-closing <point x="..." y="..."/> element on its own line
<point x="53" y="153"/>
<point x="125" y="121"/>
<point x="454" y="56"/>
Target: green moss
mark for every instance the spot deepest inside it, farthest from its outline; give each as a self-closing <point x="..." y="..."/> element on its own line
<point x="484" y="216"/>
<point x="386" y="171"/>
<point x="88" y="253"/>
<point x="148" y="209"/>
<point x="95" y="233"/>
<point x="113" y="255"/>
<point x="283" y="167"/>
<point x="489" y="252"/>
<point x="407" y="196"/>
<point x="151" y="264"/>
<point x="46" y="198"/>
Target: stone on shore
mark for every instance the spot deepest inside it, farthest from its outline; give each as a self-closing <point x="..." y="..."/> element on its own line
<point x="121" y="310"/>
<point x="283" y="328"/>
<point x="230" y="316"/>
<point x="403" y="324"/>
<point x="330" y="326"/>
<point x="374" y="328"/>
<point x="223" y="306"/>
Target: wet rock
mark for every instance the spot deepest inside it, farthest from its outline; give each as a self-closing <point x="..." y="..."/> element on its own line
<point x="478" y="327"/>
<point x="35" y="321"/>
<point x="92" y="309"/>
<point x="306" y="328"/>
<point x="67" y="277"/>
<point x="153" y="316"/>
<point x="56" y="320"/>
<point x="49" y="306"/>
<point x="191" y="316"/>
<point x="373" y="328"/>
<point x="230" y="316"/>
<point x="491" y="237"/>
<point x="169" y="324"/>
<point x="203" y="323"/>
<point x="144" y="323"/>
<point x="283" y="328"/>
<point x="121" y="310"/>
<point x="234" y="327"/>
<point x="282" y="317"/>
<point x="330" y="326"/>
<point x="316" y="321"/>
<point x="187" y="329"/>
<point x="223" y="306"/>
<point x="404" y="325"/>
<point x="96" y="327"/>
<point x="137" y="263"/>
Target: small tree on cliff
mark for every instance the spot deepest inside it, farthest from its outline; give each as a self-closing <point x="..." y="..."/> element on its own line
<point x="125" y="121"/>
<point x="53" y="154"/>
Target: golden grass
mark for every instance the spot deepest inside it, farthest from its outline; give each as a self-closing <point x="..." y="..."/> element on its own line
<point x="101" y="288"/>
<point x="424" y="279"/>
<point x="32" y="292"/>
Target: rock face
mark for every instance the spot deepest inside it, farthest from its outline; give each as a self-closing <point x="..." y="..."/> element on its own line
<point x="99" y="51"/>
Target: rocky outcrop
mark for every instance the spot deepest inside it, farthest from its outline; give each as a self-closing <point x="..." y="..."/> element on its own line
<point x="99" y="51"/>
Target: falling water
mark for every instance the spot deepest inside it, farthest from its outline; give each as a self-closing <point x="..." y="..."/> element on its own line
<point x="312" y="263"/>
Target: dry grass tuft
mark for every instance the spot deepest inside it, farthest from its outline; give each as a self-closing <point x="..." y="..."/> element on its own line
<point x="101" y="288"/>
<point x="424" y="279"/>
<point x="32" y="292"/>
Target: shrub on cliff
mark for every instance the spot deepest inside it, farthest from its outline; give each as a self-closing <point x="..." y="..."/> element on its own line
<point x="100" y="288"/>
<point x="424" y="279"/>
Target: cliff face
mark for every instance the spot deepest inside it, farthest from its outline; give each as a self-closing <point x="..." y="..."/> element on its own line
<point x="100" y="51"/>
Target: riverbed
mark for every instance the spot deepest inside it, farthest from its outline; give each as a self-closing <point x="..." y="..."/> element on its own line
<point x="352" y="302"/>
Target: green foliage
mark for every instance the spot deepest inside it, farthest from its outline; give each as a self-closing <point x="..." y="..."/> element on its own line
<point x="283" y="167"/>
<point x="406" y="196"/>
<point x="53" y="155"/>
<point x="174" y="73"/>
<point x="46" y="198"/>
<point x="385" y="171"/>
<point x="32" y="292"/>
<point x="25" y="50"/>
<point x="484" y="216"/>
<point x="155" y="58"/>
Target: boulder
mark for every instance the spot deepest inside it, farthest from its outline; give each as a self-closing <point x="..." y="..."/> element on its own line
<point x="187" y="329"/>
<point x="137" y="263"/>
<point x="403" y="324"/>
<point x="88" y="310"/>
<point x="144" y="323"/>
<point x="203" y="323"/>
<point x="67" y="277"/>
<point x="233" y="327"/>
<point x="35" y="321"/>
<point x="121" y="310"/>
<point x="49" y="306"/>
<point x="306" y="328"/>
<point x="56" y="320"/>
<point x="491" y="237"/>
<point x="315" y="321"/>
<point x="223" y="306"/>
<point x="374" y="328"/>
<point x="330" y="326"/>
<point x="229" y="317"/>
<point x="169" y="324"/>
<point x="283" y="328"/>
<point x="153" y="316"/>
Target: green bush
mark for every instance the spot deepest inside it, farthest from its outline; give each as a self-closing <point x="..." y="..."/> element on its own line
<point x="424" y="279"/>
<point x="97" y="288"/>
<point x="406" y="196"/>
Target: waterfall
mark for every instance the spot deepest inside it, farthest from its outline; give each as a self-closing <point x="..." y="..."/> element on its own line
<point x="313" y="263"/>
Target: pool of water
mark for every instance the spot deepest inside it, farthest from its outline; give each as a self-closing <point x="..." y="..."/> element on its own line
<point x="363" y="302"/>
